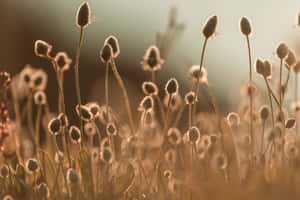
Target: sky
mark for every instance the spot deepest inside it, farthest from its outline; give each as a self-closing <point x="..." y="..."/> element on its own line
<point x="135" y="23"/>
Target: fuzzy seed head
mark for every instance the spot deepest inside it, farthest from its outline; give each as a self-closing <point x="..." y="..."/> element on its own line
<point x="233" y="119"/>
<point x="111" y="129"/>
<point x="168" y="174"/>
<point x="114" y="43"/>
<point x="38" y="80"/>
<point x="174" y="136"/>
<point x="259" y="64"/>
<point x="267" y="69"/>
<point x="190" y="98"/>
<point x="209" y="28"/>
<point x="152" y="60"/>
<point x="148" y="118"/>
<point x="291" y="59"/>
<point x="90" y="129"/>
<point x="4" y="171"/>
<point x="264" y="112"/>
<point x="94" y="108"/>
<point x="75" y="135"/>
<point x="106" y="155"/>
<point x="296" y="68"/>
<point x="72" y="176"/>
<point x="83" y="16"/>
<point x="42" y="49"/>
<point x="193" y="74"/>
<point x="43" y="190"/>
<point x="282" y="50"/>
<point x="32" y="166"/>
<point x="8" y="197"/>
<point x="245" y="26"/>
<point x="40" y="98"/>
<point x="62" y="61"/>
<point x="193" y="135"/>
<point x="86" y="114"/>
<point x="64" y="122"/>
<point x="290" y="150"/>
<point x="150" y="88"/>
<point x="146" y="103"/>
<point x="54" y="126"/>
<point x="172" y="86"/>
<point x="295" y="107"/>
<point x="290" y="123"/>
<point x="106" y="53"/>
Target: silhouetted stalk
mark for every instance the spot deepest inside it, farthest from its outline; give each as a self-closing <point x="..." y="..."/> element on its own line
<point x="270" y="100"/>
<point x="37" y="128"/>
<point x="161" y="108"/>
<point x="77" y="82"/>
<point x="125" y="95"/>
<point x="296" y="100"/>
<point x="196" y="85"/>
<point x="107" y="86"/>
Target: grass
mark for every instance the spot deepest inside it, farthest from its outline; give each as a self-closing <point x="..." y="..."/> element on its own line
<point x="164" y="153"/>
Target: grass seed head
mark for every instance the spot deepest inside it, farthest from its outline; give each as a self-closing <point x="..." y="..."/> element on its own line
<point x="4" y="171"/>
<point x="90" y="129"/>
<point x="38" y="80"/>
<point x="245" y="26"/>
<point x="94" y="108"/>
<point x="233" y="119"/>
<point x="42" y="49"/>
<point x="148" y="118"/>
<point x="111" y="129"/>
<point x="54" y="126"/>
<point x="106" y="53"/>
<point x="193" y="74"/>
<point x="62" y="61"/>
<point x="167" y="174"/>
<point x="114" y="43"/>
<point x="193" y="135"/>
<point x="174" y="136"/>
<point x="72" y="176"/>
<point x="290" y="123"/>
<point x="106" y="155"/>
<point x="209" y="28"/>
<point x="291" y="59"/>
<point x="40" y="98"/>
<point x="295" y="107"/>
<point x="8" y="197"/>
<point x="282" y="51"/>
<point x="190" y="98"/>
<point x="152" y="60"/>
<point x="171" y="86"/>
<point x="75" y="135"/>
<point x="267" y="69"/>
<point x="264" y="112"/>
<point x="290" y="150"/>
<point x="64" y="122"/>
<point x="32" y="166"/>
<point x="146" y="103"/>
<point x="150" y="88"/>
<point x="86" y="114"/>
<point x="43" y="191"/>
<point x="83" y="16"/>
<point x="296" y="67"/>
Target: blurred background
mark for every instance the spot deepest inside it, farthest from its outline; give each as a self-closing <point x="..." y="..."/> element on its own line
<point x="135" y="23"/>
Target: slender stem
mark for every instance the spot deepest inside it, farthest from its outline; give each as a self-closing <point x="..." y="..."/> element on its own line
<point x="251" y="95"/>
<point x="161" y="108"/>
<point x="214" y="101"/>
<point x="106" y="86"/>
<point x="296" y="100"/>
<point x="272" y="93"/>
<point x="271" y="104"/>
<point x="262" y="137"/>
<point x="280" y="82"/>
<point x="179" y="115"/>
<point x="125" y="95"/>
<point x="77" y="81"/>
<point x="37" y="128"/>
<point x="153" y="76"/>
<point x="190" y="115"/>
<point x="196" y="85"/>
<point x="168" y="111"/>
